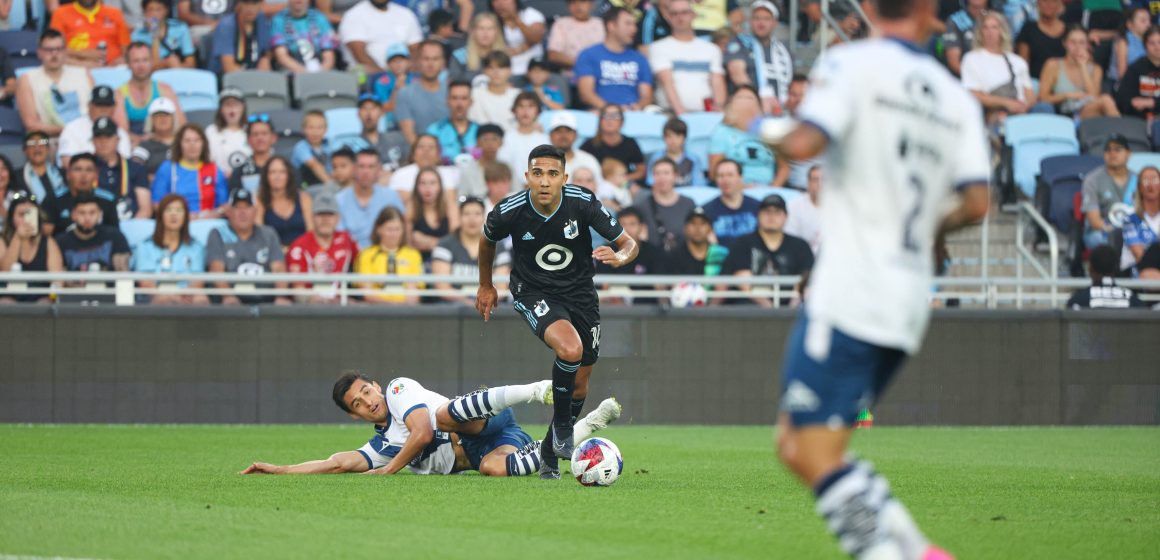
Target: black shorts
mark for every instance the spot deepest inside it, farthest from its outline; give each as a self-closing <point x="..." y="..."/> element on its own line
<point x="584" y="313"/>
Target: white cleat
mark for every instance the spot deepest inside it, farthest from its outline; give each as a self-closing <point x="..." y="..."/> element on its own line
<point x="605" y="414"/>
<point x="542" y="392"/>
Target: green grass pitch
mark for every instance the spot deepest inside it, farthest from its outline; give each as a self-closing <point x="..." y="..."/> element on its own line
<point x="687" y="492"/>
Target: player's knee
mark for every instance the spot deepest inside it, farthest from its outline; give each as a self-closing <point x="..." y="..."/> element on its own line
<point x="570" y="351"/>
<point x="493" y="468"/>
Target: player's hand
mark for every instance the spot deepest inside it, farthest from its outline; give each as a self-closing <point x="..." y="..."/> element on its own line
<point x="606" y="255"/>
<point x="380" y="470"/>
<point x="262" y="468"/>
<point x="485" y="299"/>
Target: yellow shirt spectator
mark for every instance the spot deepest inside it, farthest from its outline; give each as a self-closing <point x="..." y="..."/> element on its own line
<point x="406" y="261"/>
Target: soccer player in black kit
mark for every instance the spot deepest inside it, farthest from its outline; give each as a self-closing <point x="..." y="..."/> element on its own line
<point x="551" y="281"/>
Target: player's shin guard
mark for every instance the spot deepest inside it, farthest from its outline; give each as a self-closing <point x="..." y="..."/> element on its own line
<point x="577" y="408"/>
<point x="525" y="461"/>
<point x="868" y="522"/>
<point x="563" y="383"/>
<point x="486" y="403"/>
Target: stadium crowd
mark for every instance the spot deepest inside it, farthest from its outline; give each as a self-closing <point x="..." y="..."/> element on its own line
<point x="453" y="94"/>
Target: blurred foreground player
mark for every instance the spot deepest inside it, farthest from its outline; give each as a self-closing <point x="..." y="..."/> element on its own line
<point x="903" y="136"/>
<point x="428" y="433"/>
<point x="551" y="280"/>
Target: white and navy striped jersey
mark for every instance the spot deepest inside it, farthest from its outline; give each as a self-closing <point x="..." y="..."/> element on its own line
<point x="406" y="396"/>
<point x="1105" y="295"/>
<point x="903" y="133"/>
<point x="552" y="254"/>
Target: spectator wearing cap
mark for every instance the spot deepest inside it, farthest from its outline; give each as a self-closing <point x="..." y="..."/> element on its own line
<point x="322" y="250"/>
<point x="805" y="216"/>
<point x="77" y="135"/>
<point x="572" y="34"/>
<point x="524" y="28"/>
<point x="202" y="16"/>
<point x="281" y="203"/>
<point x="1138" y="92"/>
<point x="260" y="137"/>
<point x="456" y="132"/>
<point x="25" y="247"/>
<point x="1104" y="293"/>
<point x="550" y="96"/>
<point x="95" y="34"/>
<point x="39" y="175"/>
<point x="613" y="72"/>
<point x="769" y="251"/>
<point x="310" y="153"/>
<point x="490" y="139"/>
<point x="526" y="134"/>
<point x="169" y="39"/>
<point x="457" y="254"/>
<point x="733" y="214"/>
<point x="690" y="166"/>
<point x="698" y="255"/>
<point x="80" y="180"/>
<point x="370" y="27"/>
<point x="302" y="38"/>
<point x="386" y="85"/>
<point x="609" y="142"/>
<point x="650" y="260"/>
<point x="662" y="208"/>
<point x="360" y="205"/>
<point x="125" y="179"/>
<point x="484" y="36"/>
<point x="227" y="134"/>
<point x="88" y="245"/>
<point x="392" y="146"/>
<point x="688" y="70"/>
<point x="54" y="93"/>
<point x="731" y="139"/>
<point x="170" y="250"/>
<point x="491" y="103"/>
<point x="1104" y="188"/>
<point x="247" y="248"/>
<point x="160" y="131"/>
<point x="192" y="174"/>
<point x="758" y="59"/>
<point x="241" y="40"/>
<point x="562" y="133"/>
<point x="134" y="97"/>
<point x="419" y="105"/>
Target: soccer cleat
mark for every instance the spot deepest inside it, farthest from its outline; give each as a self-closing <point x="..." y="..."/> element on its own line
<point x="562" y="442"/>
<point x="606" y="413"/>
<point x="548" y="472"/>
<point x="936" y="553"/>
<point x="542" y="392"/>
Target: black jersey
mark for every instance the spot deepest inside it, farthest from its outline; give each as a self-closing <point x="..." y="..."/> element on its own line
<point x="552" y="254"/>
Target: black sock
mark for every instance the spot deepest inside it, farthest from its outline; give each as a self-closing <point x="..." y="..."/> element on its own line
<point x="546" y="455"/>
<point x="563" y="383"/>
<point x="577" y="408"/>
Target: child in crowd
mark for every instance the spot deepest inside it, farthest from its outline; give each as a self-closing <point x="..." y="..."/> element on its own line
<point x="538" y="74"/>
<point x="310" y="154"/>
<point x="690" y="167"/>
<point x="619" y="190"/>
<point x="492" y="103"/>
<point x="385" y="86"/>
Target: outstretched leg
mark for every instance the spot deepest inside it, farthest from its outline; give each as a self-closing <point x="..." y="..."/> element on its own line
<point x="462" y="414"/>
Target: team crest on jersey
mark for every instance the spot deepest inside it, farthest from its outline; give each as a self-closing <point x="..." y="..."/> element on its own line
<point x="541" y="308"/>
<point x="396" y="388"/>
<point x="571" y="230"/>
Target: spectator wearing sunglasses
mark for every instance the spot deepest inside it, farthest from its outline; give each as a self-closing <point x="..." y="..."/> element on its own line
<point x="39" y="176"/>
<point x="260" y="137"/>
<point x="54" y="93"/>
<point x="77" y="136"/>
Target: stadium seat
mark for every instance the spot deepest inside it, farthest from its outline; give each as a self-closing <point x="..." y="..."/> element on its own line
<point x="264" y="91"/>
<point x="21" y="48"/>
<point x="1093" y="133"/>
<point x="22" y="70"/>
<point x="286" y="121"/>
<point x="342" y="124"/>
<point x="585" y="123"/>
<point x="1140" y="160"/>
<point x="284" y="146"/>
<point x="646" y="128"/>
<point x="136" y="230"/>
<point x="11" y="127"/>
<point x="1027" y="158"/>
<point x="195" y="89"/>
<point x="700" y="195"/>
<point x="14" y="153"/>
<point x="701" y="127"/>
<point x="1060" y="178"/>
<point x="201" y="117"/>
<point x="113" y="77"/>
<point x="199" y="229"/>
<point x="325" y="90"/>
<point x="759" y="193"/>
<point x="1031" y="127"/>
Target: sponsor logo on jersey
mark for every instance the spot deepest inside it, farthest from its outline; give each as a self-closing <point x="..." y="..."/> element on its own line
<point x="554" y="257"/>
<point x="396" y="388"/>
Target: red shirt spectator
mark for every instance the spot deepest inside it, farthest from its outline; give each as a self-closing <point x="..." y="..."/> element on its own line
<point x="322" y="250"/>
<point x="86" y="24"/>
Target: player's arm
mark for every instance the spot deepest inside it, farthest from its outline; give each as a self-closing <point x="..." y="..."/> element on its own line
<point x="486" y="295"/>
<point x="418" y="421"/>
<point x="626" y="252"/>
<point x="972" y="169"/>
<point x="344" y="462"/>
<point x="974" y="201"/>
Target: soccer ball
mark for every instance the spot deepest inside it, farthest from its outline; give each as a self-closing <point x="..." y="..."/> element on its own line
<point x="688" y="294"/>
<point x="596" y="462"/>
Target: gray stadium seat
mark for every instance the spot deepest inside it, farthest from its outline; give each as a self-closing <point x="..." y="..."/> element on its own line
<point x="264" y="91"/>
<point x="325" y="90"/>
<point x="14" y="153"/>
<point x="1093" y="133"/>
<point x="286" y="121"/>
<point x="201" y="117"/>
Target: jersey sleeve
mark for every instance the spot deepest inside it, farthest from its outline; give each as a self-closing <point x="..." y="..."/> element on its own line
<point x="603" y="221"/>
<point x="830" y="105"/>
<point x="496" y="227"/>
<point x="404" y="396"/>
<point x="972" y="164"/>
<point x="378" y="452"/>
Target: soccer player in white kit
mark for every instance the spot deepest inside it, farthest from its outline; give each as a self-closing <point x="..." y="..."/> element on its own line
<point x="906" y="158"/>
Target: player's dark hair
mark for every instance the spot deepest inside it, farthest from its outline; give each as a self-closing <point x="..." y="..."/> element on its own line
<point x="547" y="151"/>
<point x="343" y="385"/>
<point x="676" y="126"/>
<point x="799" y="77"/>
<point x="85" y="197"/>
<point x="1105" y="261"/>
<point x="727" y="161"/>
<point x="83" y="156"/>
<point x="630" y="212"/>
<point x="895" y="9"/>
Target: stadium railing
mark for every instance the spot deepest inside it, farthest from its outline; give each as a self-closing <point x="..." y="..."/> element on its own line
<point x="121" y="287"/>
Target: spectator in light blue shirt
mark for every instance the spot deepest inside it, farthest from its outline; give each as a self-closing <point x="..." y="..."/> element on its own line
<point x="170" y="36"/>
<point x="690" y="166"/>
<point x="170" y="250"/>
<point x="456" y="134"/>
<point x="360" y="205"/>
<point x="302" y="38"/>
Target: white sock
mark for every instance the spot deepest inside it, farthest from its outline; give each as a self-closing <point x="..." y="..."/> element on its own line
<point x="868" y="522"/>
<point x="486" y="403"/>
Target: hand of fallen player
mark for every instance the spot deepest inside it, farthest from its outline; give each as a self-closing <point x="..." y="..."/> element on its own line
<point x="261" y="468"/>
<point x="380" y="470"/>
<point x="606" y="255"/>
<point x="485" y="299"/>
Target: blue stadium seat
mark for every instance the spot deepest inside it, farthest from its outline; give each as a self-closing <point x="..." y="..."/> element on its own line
<point x="113" y="77"/>
<point x="700" y="195"/>
<point x="585" y="123"/>
<point x="701" y="127"/>
<point x="199" y="229"/>
<point x="136" y="230"/>
<point x="22" y="70"/>
<point x="342" y="124"/>
<point x="646" y="128"/>
<point x="1139" y="161"/>
<point x="1029" y="155"/>
<point x="21" y="48"/>
<point x="1061" y="177"/>
<point x="11" y="127"/>
<point x="195" y="89"/>
<point x="759" y="193"/>
<point x="1031" y="127"/>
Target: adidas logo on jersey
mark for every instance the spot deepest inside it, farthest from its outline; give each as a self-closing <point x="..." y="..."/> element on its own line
<point x="528" y="236"/>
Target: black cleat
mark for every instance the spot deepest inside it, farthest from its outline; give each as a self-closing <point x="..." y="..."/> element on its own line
<point x="562" y="442"/>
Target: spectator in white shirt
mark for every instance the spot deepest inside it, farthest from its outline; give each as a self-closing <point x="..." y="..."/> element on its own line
<point x="997" y="77"/>
<point x="519" y="141"/>
<point x="805" y="218"/>
<point x="491" y="103"/>
<point x="371" y="26"/>
<point x="688" y="70"/>
<point x="523" y="30"/>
